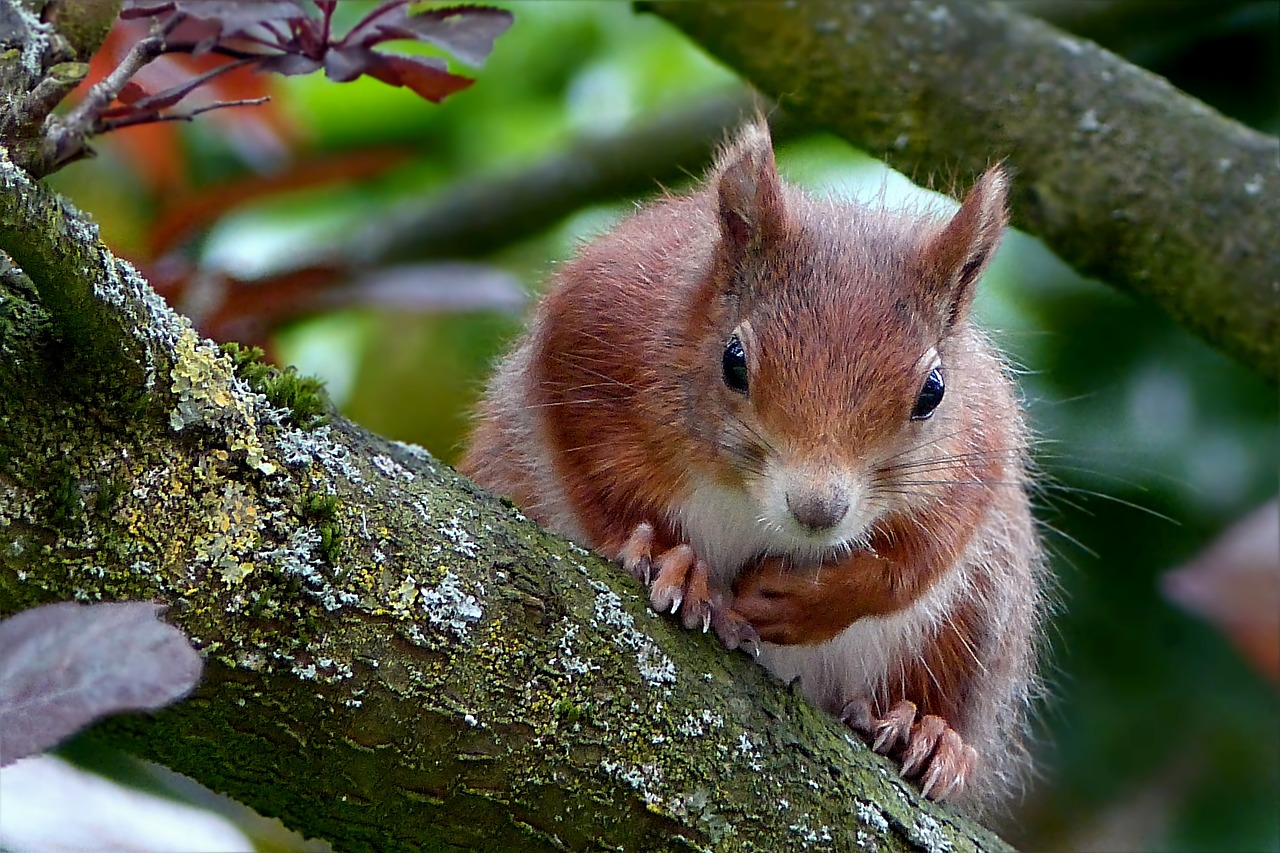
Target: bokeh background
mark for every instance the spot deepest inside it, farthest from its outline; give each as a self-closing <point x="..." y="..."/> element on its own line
<point x="390" y="246"/>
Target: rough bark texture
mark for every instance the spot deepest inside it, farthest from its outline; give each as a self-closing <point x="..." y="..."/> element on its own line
<point x="396" y="661"/>
<point x="1125" y="177"/>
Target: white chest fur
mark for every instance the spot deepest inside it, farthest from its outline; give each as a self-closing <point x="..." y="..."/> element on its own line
<point x="726" y="529"/>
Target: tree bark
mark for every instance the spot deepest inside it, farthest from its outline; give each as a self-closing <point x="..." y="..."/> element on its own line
<point x="396" y="660"/>
<point x="1125" y="177"/>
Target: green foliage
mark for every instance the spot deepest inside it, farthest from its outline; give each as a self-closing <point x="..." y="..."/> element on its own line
<point x="568" y="711"/>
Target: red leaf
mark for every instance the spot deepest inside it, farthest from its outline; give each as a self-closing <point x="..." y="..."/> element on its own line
<point x="131" y="93"/>
<point x="419" y="73"/>
<point x="1234" y="584"/>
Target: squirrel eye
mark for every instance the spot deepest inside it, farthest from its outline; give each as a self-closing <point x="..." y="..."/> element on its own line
<point x="930" y="396"/>
<point x="735" y="365"/>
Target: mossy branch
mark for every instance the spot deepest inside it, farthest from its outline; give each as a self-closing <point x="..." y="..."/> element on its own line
<point x="97" y="303"/>
<point x="396" y="661"/>
<point x="1126" y="178"/>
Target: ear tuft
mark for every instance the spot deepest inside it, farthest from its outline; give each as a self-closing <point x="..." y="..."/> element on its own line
<point x="749" y="190"/>
<point x="956" y="256"/>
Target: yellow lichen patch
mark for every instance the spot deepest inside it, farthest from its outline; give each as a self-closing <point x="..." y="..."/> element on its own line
<point x="232" y="575"/>
<point x="208" y="393"/>
<point x="233" y="533"/>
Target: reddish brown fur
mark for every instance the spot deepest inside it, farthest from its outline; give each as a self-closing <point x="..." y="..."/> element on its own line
<point x="614" y="413"/>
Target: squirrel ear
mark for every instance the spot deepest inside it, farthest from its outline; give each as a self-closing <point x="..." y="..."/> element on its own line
<point x="749" y="191"/>
<point x="955" y="257"/>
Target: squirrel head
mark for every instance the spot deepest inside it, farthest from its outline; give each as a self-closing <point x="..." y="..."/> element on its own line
<point x="833" y="346"/>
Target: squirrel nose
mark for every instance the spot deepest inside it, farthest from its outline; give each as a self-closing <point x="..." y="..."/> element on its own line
<point x="817" y="511"/>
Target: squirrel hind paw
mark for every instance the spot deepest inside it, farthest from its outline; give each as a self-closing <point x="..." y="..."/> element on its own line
<point x="928" y="750"/>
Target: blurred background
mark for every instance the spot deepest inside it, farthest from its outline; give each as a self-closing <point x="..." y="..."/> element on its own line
<point x="390" y="246"/>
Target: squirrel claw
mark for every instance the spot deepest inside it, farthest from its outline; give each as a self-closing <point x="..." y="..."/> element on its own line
<point x="679" y="583"/>
<point x="733" y="631"/>
<point x="894" y="727"/>
<point x="635" y="555"/>
<point x="928" y="749"/>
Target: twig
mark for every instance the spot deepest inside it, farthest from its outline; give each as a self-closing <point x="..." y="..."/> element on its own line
<point x="80" y="119"/>
<point x="106" y="126"/>
<point x="171" y="96"/>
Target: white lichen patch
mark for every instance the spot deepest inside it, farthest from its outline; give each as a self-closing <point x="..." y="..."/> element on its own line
<point x="301" y="448"/>
<point x="616" y="623"/>
<point x="1089" y="122"/>
<point x="749" y="751"/>
<point x="566" y="659"/>
<point x="458" y="537"/>
<point x="645" y="779"/>
<point x="870" y="815"/>
<point x="929" y="834"/>
<point x="698" y="724"/>
<point x="207" y="392"/>
<point x="391" y="468"/>
<point x="810" y="837"/>
<point x="448" y="606"/>
<point x="417" y="451"/>
<point x="299" y="557"/>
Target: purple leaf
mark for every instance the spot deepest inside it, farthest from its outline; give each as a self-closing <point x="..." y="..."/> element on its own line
<point x="289" y="37"/>
<point x="423" y="74"/>
<point x="233" y="16"/>
<point x="290" y="64"/>
<point x="62" y="666"/>
<point x="467" y="32"/>
<point x="342" y="65"/>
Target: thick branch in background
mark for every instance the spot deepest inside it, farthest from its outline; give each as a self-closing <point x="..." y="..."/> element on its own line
<point x="1125" y="177"/>
<point x="480" y="216"/>
<point x="395" y="660"/>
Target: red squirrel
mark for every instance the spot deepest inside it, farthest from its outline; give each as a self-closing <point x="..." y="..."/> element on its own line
<point x="774" y="410"/>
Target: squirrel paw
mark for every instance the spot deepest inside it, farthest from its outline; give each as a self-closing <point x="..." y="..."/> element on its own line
<point x="679" y="582"/>
<point x="786" y="607"/>
<point x="930" y="751"/>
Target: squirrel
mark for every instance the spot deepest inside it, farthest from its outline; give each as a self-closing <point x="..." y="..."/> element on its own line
<point x="774" y="411"/>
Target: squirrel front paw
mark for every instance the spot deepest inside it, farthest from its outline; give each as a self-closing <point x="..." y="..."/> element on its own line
<point x="928" y="749"/>
<point x="787" y="606"/>
<point x="680" y="583"/>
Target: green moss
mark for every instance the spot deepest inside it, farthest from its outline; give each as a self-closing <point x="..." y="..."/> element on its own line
<point x="567" y="711"/>
<point x="108" y="493"/>
<point x="303" y="396"/>
<point x="321" y="510"/>
<point x="65" y="503"/>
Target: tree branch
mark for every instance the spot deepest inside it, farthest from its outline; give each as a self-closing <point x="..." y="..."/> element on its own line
<point x="396" y="660"/>
<point x="477" y="217"/>
<point x="1123" y="176"/>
